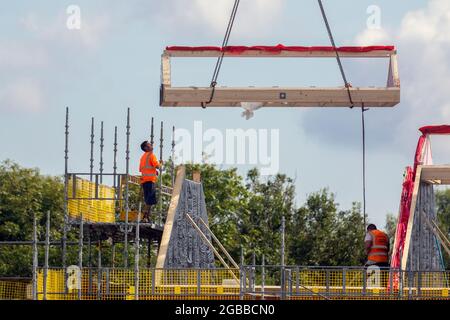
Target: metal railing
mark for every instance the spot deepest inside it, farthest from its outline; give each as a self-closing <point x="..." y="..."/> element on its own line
<point x="255" y="282"/>
<point x="329" y="283"/>
<point x="126" y="284"/>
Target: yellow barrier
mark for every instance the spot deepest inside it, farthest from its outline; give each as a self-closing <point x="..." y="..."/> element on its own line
<point x="15" y="290"/>
<point x="54" y="287"/>
<point x="119" y="284"/>
<point x="354" y="284"/>
<point x="167" y="284"/>
<point x="92" y="210"/>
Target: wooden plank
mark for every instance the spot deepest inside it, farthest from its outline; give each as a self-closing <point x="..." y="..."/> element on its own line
<point x="412" y="210"/>
<point x="393" y="77"/>
<point x="436" y="174"/>
<point x="280" y="96"/>
<point x="437" y="233"/>
<point x="165" y="70"/>
<point x="230" y="258"/>
<point x="209" y="244"/>
<point x="164" y="246"/>
<point x="281" y="54"/>
<point x="394" y="251"/>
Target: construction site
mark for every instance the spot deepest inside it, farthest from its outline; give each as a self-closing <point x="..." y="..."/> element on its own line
<point x="174" y="254"/>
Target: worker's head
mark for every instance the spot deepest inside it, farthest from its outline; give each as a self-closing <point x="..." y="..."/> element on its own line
<point x="146" y="146"/>
<point x="371" y="227"/>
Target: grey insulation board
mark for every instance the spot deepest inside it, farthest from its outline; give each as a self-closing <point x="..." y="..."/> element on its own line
<point x="186" y="248"/>
<point x="424" y="252"/>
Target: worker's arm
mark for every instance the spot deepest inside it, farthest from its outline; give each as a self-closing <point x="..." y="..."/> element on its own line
<point x="140" y="167"/>
<point x="368" y="240"/>
<point x="155" y="161"/>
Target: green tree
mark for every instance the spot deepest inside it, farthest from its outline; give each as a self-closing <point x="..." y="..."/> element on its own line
<point x="23" y="193"/>
<point x="270" y="199"/>
<point x="443" y="217"/>
<point x="390" y="228"/>
<point x="349" y="238"/>
<point x="226" y="201"/>
<point x="322" y="235"/>
<point x="313" y="227"/>
<point x="243" y="213"/>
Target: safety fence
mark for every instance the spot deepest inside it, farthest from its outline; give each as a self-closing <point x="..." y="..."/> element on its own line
<point x="306" y="283"/>
<point x="95" y="201"/>
<point x="128" y="284"/>
<point x="100" y="203"/>
<point x="255" y="282"/>
<point x="15" y="289"/>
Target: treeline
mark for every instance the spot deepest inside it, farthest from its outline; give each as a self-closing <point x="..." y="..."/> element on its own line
<point x="247" y="212"/>
<point x="244" y="212"/>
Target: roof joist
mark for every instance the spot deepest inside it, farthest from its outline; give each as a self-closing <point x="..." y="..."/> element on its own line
<point x="387" y="96"/>
<point x="436" y="174"/>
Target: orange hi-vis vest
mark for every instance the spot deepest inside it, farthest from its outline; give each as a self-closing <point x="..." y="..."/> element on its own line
<point x="148" y="166"/>
<point x="379" y="250"/>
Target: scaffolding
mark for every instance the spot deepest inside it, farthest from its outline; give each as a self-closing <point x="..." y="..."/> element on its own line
<point x="99" y="213"/>
<point x="257" y="282"/>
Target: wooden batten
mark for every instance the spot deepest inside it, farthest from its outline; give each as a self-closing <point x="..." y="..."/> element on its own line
<point x="388" y="96"/>
<point x="280" y="96"/>
<point x="436" y="174"/>
<point x="410" y="226"/>
<point x="280" y="54"/>
<point x="167" y="232"/>
<point x="393" y="77"/>
<point x="165" y="71"/>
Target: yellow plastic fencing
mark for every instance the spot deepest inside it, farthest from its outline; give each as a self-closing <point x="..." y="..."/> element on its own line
<point x="55" y="284"/>
<point x="92" y="210"/>
<point x="153" y="284"/>
<point x="193" y="284"/>
<point x="380" y="285"/>
<point x="15" y="290"/>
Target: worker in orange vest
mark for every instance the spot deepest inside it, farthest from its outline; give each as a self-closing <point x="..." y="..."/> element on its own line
<point x="377" y="247"/>
<point x="149" y="176"/>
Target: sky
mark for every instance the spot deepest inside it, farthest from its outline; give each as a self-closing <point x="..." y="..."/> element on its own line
<point x="113" y="62"/>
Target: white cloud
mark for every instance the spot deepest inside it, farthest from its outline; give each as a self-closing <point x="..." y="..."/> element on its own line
<point x="254" y="18"/>
<point x="427" y="24"/>
<point x="425" y="42"/>
<point x="14" y="54"/>
<point x="55" y="31"/>
<point x="373" y="37"/>
<point x="92" y="31"/>
<point x="23" y="62"/>
<point x="24" y="95"/>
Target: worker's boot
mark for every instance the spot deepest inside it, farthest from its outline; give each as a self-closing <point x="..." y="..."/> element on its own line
<point x="145" y="212"/>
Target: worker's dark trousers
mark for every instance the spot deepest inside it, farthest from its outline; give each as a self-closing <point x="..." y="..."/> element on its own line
<point x="149" y="193"/>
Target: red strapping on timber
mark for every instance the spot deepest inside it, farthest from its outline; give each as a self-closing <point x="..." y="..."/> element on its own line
<point x="442" y="129"/>
<point x="279" y="48"/>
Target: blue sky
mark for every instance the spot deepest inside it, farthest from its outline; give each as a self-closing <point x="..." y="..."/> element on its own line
<point x="113" y="63"/>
